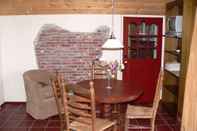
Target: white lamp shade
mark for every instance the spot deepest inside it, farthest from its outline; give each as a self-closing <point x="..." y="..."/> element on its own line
<point x="111" y="55"/>
<point x="112" y="43"/>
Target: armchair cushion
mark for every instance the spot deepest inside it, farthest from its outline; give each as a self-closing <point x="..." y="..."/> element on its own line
<point x="46" y="92"/>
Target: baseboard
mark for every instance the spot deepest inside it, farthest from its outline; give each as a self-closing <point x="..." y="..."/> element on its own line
<point x="1" y="105"/>
<point x="12" y="102"/>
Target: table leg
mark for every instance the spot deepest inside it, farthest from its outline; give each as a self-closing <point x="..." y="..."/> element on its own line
<point x="119" y="115"/>
<point x="106" y="110"/>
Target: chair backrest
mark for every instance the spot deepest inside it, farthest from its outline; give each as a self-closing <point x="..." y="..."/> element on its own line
<point x="99" y="70"/>
<point x="157" y="96"/>
<point x="37" y="75"/>
<point x="80" y="106"/>
<point x="57" y="90"/>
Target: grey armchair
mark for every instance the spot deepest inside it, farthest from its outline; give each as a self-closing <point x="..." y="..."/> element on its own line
<point x="40" y="100"/>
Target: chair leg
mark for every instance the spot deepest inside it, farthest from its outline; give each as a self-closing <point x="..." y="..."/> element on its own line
<point x="116" y="109"/>
<point x="153" y="124"/>
<point x="61" y="126"/>
<point x="126" y="124"/>
<point x="115" y="127"/>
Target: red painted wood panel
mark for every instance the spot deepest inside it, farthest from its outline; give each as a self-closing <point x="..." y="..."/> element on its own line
<point x="142" y="64"/>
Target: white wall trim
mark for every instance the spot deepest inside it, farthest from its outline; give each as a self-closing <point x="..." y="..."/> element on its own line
<point x="1" y="79"/>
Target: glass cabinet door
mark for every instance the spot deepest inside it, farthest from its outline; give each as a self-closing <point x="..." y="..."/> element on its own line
<point x="142" y="40"/>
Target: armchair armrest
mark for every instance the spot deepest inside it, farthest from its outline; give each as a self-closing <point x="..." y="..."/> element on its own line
<point x="42" y="83"/>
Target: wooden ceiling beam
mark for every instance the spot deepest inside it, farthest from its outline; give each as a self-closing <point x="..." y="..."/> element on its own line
<point x="19" y="7"/>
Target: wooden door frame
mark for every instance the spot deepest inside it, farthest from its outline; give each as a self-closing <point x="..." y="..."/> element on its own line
<point x="189" y="120"/>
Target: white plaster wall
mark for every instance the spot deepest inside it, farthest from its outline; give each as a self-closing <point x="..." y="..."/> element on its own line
<point x="1" y="85"/>
<point x="18" y="34"/>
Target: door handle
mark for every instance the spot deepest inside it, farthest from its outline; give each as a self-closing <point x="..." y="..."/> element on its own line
<point x="125" y="62"/>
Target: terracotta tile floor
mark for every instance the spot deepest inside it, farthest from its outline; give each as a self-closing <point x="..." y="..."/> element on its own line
<point x="14" y="118"/>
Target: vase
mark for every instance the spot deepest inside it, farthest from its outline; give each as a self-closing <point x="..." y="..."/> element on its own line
<point x="109" y="83"/>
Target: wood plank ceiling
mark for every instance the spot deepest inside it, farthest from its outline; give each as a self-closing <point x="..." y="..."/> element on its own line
<point x="28" y="7"/>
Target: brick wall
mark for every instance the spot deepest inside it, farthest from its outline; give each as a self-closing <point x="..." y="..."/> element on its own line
<point x="69" y="52"/>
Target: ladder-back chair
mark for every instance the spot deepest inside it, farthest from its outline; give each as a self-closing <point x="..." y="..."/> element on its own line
<point x="99" y="71"/>
<point x="80" y="111"/>
<point x="57" y="90"/>
<point x="142" y="112"/>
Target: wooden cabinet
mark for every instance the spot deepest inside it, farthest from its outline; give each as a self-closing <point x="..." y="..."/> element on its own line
<point x="172" y="65"/>
<point x="172" y="62"/>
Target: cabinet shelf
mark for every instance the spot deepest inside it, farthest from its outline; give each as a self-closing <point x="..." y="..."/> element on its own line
<point x="171" y="107"/>
<point x="173" y="52"/>
<point x="174" y="73"/>
<point x="142" y="35"/>
<point x="133" y="40"/>
<point x="141" y="47"/>
<point x="172" y="88"/>
<point x="172" y="36"/>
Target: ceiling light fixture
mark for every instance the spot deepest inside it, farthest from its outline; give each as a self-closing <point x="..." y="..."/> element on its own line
<point x="112" y="42"/>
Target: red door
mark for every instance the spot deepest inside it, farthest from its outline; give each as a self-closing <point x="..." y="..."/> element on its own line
<point x="142" y="54"/>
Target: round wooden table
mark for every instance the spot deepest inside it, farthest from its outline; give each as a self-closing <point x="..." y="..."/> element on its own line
<point x="119" y="93"/>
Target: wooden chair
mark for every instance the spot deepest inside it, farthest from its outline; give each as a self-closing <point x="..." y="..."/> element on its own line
<point x="99" y="71"/>
<point x="142" y="112"/>
<point x="57" y="90"/>
<point x="80" y="111"/>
